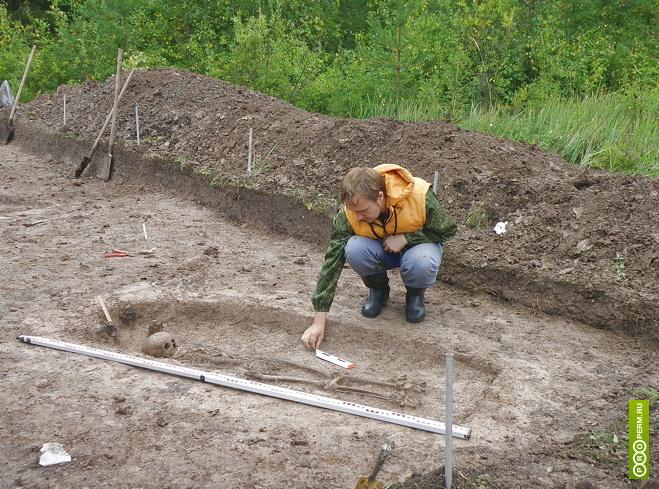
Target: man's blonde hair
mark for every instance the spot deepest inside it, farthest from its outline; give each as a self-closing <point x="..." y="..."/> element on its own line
<point x="364" y="182"/>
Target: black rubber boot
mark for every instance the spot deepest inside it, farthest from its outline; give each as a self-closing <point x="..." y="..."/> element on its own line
<point x="378" y="294"/>
<point x="415" y="310"/>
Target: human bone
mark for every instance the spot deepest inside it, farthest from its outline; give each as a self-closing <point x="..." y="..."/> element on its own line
<point x="161" y="344"/>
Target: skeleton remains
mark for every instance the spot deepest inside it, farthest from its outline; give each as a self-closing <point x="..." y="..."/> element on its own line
<point x="399" y="391"/>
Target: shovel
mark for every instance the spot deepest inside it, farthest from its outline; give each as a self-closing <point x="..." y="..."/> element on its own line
<point x="109" y="329"/>
<point x="8" y="132"/>
<point x="87" y="159"/>
<point x="370" y="482"/>
<point x="106" y="165"/>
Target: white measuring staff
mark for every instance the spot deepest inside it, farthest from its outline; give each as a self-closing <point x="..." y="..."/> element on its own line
<point x="145" y="235"/>
<point x="335" y="360"/>
<point x="256" y="387"/>
<point x="448" y="454"/>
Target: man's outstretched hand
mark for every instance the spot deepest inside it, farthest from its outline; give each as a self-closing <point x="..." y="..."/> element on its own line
<point x="394" y="243"/>
<point x="313" y="336"/>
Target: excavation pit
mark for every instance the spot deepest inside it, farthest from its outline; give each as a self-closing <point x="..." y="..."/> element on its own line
<point x="256" y="342"/>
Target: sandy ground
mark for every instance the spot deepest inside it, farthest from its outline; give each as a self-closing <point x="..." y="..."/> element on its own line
<point x="530" y="386"/>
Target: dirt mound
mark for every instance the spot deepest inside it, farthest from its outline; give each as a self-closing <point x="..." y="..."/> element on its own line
<point x="579" y="243"/>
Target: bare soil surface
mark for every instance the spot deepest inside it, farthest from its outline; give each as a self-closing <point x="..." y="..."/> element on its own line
<point x="539" y="392"/>
<point x="581" y="244"/>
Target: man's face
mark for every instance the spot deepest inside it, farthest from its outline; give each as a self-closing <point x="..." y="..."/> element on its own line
<point x="368" y="210"/>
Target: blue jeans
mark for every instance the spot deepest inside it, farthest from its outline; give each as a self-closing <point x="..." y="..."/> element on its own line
<point x="418" y="264"/>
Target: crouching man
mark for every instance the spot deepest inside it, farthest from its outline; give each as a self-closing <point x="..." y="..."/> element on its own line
<point x="389" y="220"/>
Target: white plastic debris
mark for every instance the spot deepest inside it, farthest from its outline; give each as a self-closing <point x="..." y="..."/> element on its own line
<point x="6" y="97"/>
<point x="53" y="453"/>
<point x="500" y="228"/>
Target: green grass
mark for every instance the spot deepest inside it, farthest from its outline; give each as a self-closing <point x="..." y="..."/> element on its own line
<point x="619" y="267"/>
<point x="608" y="444"/>
<point x="613" y="131"/>
<point x="476" y="217"/>
<point x="407" y="110"/>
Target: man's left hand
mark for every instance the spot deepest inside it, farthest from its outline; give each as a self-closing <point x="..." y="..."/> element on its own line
<point x="394" y="243"/>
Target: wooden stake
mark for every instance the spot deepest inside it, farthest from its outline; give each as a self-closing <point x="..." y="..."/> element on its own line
<point x="137" y="124"/>
<point x="434" y="183"/>
<point x="105" y="309"/>
<point x="64" y="110"/>
<point x="250" y="154"/>
<point x="146" y="237"/>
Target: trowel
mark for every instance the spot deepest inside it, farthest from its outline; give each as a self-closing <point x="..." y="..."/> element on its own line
<point x="109" y="328"/>
<point x="370" y="482"/>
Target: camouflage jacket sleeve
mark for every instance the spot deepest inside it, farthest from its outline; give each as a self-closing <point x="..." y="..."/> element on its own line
<point x="439" y="226"/>
<point x="334" y="259"/>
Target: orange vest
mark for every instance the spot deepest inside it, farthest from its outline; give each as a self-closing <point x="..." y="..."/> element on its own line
<point x="406" y="205"/>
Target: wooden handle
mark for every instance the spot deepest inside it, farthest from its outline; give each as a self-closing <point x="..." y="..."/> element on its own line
<point x="384" y="453"/>
<point x="109" y="116"/>
<point x="105" y="309"/>
<point x="20" y="87"/>
<point x="116" y="101"/>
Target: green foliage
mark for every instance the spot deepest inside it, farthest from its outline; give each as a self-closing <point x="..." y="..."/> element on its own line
<point x="476" y="217"/>
<point x="609" y="444"/>
<point x="649" y="393"/>
<point x="578" y="78"/>
<point x="620" y="267"/>
<point x="266" y="58"/>
<point x="390" y="46"/>
<point x="485" y="481"/>
<point x="315" y="201"/>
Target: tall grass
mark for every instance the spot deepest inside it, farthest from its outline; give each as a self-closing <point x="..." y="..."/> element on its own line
<point x="617" y="132"/>
<point x="406" y="110"/>
<point x="614" y="131"/>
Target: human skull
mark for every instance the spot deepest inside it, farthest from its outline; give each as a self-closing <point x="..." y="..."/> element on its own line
<point x="159" y="345"/>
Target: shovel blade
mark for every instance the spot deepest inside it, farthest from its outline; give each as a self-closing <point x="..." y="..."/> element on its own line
<point x="106" y="167"/>
<point x="7" y="133"/>
<point x="83" y="164"/>
<point x="364" y="483"/>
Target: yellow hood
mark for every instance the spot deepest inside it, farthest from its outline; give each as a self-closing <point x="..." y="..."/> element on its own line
<point x="406" y="202"/>
<point x="398" y="181"/>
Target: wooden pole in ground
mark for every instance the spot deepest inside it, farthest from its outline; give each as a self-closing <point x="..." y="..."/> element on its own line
<point x="250" y="149"/>
<point x="64" y="110"/>
<point x="137" y="124"/>
<point x="434" y="183"/>
<point x="146" y="236"/>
